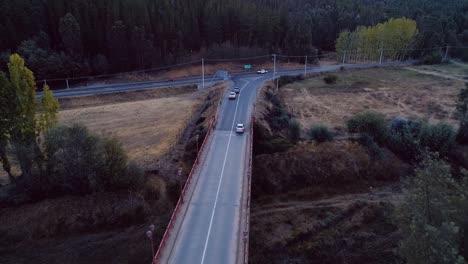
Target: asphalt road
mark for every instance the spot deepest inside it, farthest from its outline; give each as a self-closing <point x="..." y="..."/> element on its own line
<point x="210" y="231"/>
<point x="113" y="88"/>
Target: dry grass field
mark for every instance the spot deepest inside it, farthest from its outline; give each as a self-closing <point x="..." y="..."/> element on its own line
<point x="147" y="128"/>
<point x="394" y="92"/>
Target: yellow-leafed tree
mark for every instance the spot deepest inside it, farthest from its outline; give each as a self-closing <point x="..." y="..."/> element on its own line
<point x="391" y="39"/>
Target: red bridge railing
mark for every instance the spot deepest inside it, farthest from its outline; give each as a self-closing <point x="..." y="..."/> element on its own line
<point x="175" y="213"/>
<point x="249" y="189"/>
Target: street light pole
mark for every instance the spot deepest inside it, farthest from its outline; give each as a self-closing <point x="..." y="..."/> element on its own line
<point x="149" y="234"/>
<point x="179" y="172"/>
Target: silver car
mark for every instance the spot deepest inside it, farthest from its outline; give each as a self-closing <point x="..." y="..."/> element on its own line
<point x="240" y="128"/>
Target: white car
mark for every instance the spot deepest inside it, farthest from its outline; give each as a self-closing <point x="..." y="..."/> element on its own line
<point x="240" y="128"/>
<point x="232" y="95"/>
<point x="262" y="71"/>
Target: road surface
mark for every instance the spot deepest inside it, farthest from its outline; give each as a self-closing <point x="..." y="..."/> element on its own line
<point x="210" y="232"/>
<point x="113" y="88"/>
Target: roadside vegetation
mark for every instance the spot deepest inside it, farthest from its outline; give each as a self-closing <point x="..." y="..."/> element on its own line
<point x="53" y="160"/>
<point x="334" y="194"/>
<point x="65" y="182"/>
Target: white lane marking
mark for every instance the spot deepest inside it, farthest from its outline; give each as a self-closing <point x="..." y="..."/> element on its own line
<point x="221" y="178"/>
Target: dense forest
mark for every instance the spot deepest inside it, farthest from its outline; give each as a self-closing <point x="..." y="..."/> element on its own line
<point x="79" y="37"/>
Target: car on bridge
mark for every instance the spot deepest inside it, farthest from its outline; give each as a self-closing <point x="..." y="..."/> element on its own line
<point x="262" y="71"/>
<point x="236" y="90"/>
<point x="240" y="128"/>
<point x="232" y="96"/>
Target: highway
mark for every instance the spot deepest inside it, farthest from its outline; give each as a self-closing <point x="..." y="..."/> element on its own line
<point x="114" y="88"/>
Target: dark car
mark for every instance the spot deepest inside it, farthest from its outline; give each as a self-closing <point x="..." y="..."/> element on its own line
<point x="236" y="90"/>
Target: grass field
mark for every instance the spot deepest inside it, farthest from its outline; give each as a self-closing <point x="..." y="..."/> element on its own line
<point x="147" y="128"/>
<point x="394" y="92"/>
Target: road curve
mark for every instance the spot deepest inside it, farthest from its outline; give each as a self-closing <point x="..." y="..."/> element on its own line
<point x="210" y="232"/>
<point x="114" y="88"/>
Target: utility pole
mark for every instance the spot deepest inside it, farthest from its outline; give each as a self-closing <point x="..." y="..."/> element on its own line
<point x="203" y="73"/>
<point x="446" y="53"/>
<point x="305" y="66"/>
<point x="274" y="65"/>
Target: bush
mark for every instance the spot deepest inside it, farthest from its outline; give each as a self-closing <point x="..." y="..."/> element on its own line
<point x="330" y="79"/>
<point x="403" y="138"/>
<point x="285" y="80"/>
<point x="438" y="138"/>
<point x="375" y="152"/>
<point x="462" y="135"/>
<point x="78" y="162"/>
<point x="432" y="58"/>
<point x="294" y="131"/>
<point x="320" y="134"/>
<point x="462" y="113"/>
<point x="279" y="118"/>
<point x="370" y="123"/>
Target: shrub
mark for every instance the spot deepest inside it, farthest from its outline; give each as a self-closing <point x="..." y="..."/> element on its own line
<point x="72" y="159"/>
<point x="403" y="138"/>
<point x="462" y="135"/>
<point x="375" y="152"/>
<point x="78" y="162"/>
<point x="438" y="138"/>
<point x="370" y="123"/>
<point x="330" y="79"/>
<point x="320" y="134"/>
<point x="462" y="113"/>
<point x="294" y="131"/>
<point x="285" y="80"/>
<point x="432" y="58"/>
<point x="114" y="164"/>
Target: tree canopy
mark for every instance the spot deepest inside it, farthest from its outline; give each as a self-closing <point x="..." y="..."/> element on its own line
<point x="392" y="38"/>
<point x="80" y="37"/>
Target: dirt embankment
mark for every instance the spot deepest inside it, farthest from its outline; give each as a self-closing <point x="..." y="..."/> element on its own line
<point x="111" y="227"/>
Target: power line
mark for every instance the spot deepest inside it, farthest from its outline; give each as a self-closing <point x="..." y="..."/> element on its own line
<point x="121" y="73"/>
<point x="278" y="56"/>
<point x="238" y="59"/>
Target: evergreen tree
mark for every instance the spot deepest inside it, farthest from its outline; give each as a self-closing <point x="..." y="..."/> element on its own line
<point x="432" y="216"/>
<point x="71" y="35"/>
